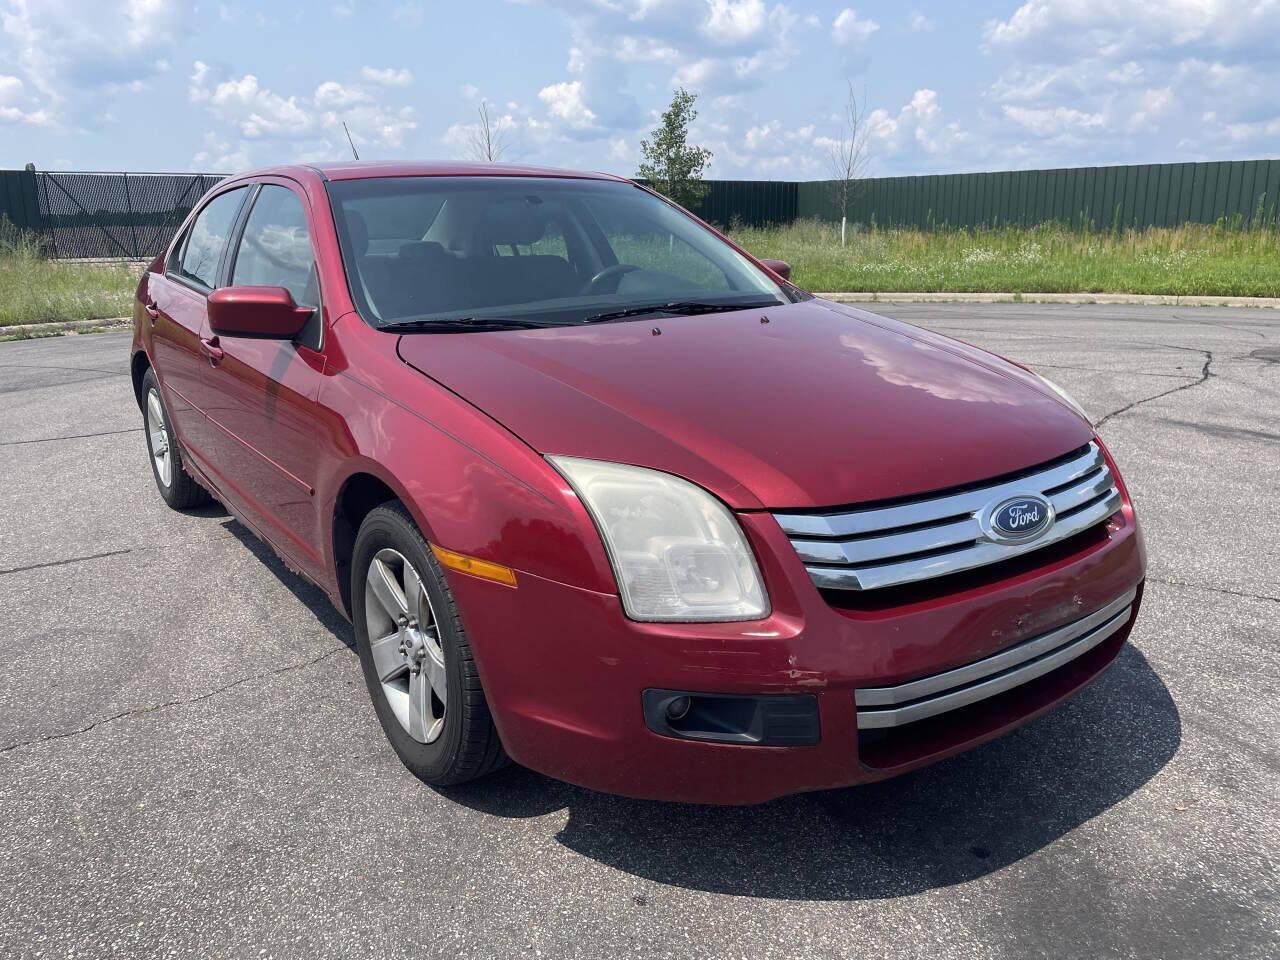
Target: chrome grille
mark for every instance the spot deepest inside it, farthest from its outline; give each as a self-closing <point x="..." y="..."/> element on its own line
<point x="878" y="547"/>
<point x="880" y="707"/>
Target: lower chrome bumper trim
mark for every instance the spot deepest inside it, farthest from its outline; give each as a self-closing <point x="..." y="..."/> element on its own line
<point x="880" y="707"/>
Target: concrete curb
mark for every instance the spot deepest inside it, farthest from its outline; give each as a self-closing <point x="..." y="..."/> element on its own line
<point x="1144" y="299"/>
<point x="64" y="326"/>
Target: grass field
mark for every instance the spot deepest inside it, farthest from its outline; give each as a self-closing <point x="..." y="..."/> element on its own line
<point x="1195" y="259"/>
<point x="36" y="290"/>
<point x="1186" y="261"/>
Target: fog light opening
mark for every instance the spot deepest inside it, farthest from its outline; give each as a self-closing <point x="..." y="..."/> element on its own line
<point x="780" y="720"/>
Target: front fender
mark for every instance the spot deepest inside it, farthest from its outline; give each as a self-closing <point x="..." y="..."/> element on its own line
<point x="488" y="496"/>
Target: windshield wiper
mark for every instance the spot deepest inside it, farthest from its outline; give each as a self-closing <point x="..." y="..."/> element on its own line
<point x="464" y="324"/>
<point x="678" y="307"/>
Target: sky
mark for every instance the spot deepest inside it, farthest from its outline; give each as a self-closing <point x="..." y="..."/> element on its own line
<point x="174" y="85"/>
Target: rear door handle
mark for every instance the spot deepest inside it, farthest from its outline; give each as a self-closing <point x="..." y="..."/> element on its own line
<point x="211" y="349"/>
<point x="152" y="310"/>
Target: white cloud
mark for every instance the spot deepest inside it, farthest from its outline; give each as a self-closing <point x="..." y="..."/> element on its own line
<point x="920" y="23"/>
<point x="564" y="103"/>
<point x="254" y="110"/>
<point x="1119" y="27"/>
<point x="849" y="31"/>
<point x="221" y="156"/>
<point x="920" y="124"/>
<point x="388" y="77"/>
<point x="696" y="75"/>
<point x="756" y="136"/>
<point x="621" y="153"/>
<point x="637" y="50"/>
<point x="1119" y="78"/>
<point x="1151" y="105"/>
<point x="1126" y="73"/>
<point x="732" y="23"/>
<point x="335" y="96"/>
<point x="247" y="112"/>
<point x="64" y="46"/>
<point x="10" y="90"/>
<point x="1055" y="122"/>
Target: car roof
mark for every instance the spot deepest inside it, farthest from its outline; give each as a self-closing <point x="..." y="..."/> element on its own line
<point x="371" y="169"/>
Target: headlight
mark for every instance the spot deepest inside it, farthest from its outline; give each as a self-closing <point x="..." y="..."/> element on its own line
<point x="677" y="553"/>
<point x="1066" y="397"/>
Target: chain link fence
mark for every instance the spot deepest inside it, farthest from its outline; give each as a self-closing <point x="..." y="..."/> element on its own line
<point x="101" y="215"/>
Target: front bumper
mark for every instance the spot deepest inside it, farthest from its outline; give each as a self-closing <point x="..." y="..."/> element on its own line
<point x="565" y="671"/>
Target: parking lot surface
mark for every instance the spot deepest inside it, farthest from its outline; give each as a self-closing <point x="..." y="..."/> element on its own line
<point x="189" y="764"/>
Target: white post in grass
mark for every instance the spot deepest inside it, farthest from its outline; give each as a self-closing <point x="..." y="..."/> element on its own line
<point x="842" y="223"/>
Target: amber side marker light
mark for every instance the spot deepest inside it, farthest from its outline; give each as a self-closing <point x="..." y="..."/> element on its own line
<point x="476" y="568"/>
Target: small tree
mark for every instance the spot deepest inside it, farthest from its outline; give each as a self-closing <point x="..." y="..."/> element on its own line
<point x="847" y="157"/>
<point x="671" y="166"/>
<point x="488" y="140"/>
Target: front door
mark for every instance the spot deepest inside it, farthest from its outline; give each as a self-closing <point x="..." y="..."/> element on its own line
<point x="180" y="326"/>
<point x="261" y="393"/>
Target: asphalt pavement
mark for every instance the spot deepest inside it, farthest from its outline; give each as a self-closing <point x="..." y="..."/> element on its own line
<point x="189" y="765"/>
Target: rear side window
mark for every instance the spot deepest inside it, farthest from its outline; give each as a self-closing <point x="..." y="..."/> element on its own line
<point x="275" y="248"/>
<point x="202" y="246"/>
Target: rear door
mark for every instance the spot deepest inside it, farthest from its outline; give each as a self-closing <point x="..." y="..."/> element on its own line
<point x="262" y="392"/>
<point x="180" y="325"/>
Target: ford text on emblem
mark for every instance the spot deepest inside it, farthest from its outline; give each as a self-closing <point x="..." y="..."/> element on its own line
<point x="1019" y="519"/>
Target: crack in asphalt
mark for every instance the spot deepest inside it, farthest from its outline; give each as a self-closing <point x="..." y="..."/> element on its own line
<point x="74" y="436"/>
<point x="1204" y="376"/>
<point x="1133" y="373"/>
<point x="1229" y="326"/>
<point x="51" y="366"/>
<point x="154" y="708"/>
<point x="176" y="544"/>
<point x="1222" y="590"/>
<point x="63" y="563"/>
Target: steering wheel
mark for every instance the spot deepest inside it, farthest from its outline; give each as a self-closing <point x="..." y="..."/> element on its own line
<point x="614" y="272"/>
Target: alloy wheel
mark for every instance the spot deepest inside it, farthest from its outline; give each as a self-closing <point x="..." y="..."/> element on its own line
<point x="404" y="639"/>
<point x="158" y="438"/>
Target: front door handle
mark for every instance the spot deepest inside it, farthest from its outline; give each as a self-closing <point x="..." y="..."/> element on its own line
<point x="152" y="310"/>
<point x="211" y="349"/>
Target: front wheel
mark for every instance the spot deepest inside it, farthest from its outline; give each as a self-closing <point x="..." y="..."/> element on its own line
<point x="415" y="656"/>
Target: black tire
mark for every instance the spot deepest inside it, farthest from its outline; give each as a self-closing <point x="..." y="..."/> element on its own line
<point x="181" y="492"/>
<point x="468" y="746"/>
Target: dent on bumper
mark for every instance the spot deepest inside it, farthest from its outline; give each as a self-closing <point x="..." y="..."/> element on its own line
<point x="564" y="673"/>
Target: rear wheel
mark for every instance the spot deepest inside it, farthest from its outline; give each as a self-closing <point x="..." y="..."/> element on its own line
<point x="415" y="656"/>
<point x="176" y="486"/>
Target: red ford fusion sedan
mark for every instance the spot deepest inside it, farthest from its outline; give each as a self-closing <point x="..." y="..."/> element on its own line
<point x="602" y="493"/>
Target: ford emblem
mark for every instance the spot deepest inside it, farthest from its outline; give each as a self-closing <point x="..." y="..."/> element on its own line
<point x="1020" y="519"/>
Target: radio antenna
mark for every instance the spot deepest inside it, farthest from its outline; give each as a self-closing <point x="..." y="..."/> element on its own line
<point x="350" y="141"/>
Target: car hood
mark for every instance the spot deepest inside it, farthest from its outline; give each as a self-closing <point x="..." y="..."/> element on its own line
<point x="815" y="404"/>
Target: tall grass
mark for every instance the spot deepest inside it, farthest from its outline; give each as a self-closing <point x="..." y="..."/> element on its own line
<point x="1222" y="259"/>
<point x="34" y="289"/>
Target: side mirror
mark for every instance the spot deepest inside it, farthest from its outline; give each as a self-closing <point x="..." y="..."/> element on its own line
<point x="780" y="267"/>
<point x="265" y="313"/>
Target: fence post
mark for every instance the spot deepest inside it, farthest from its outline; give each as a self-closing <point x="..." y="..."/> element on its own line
<point x="133" y="227"/>
<point x="46" y="214"/>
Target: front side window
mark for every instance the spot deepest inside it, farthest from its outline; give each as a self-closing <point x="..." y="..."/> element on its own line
<point x="275" y="247"/>
<point x="538" y="251"/>
<point x="202" y="246"/>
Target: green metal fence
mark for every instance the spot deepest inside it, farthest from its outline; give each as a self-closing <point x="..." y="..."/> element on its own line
<point x="1158" y="194"/>
<point x="134" y="215"/>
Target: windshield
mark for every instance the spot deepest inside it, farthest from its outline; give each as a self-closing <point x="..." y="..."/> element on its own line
<point x="485" y="252"/>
